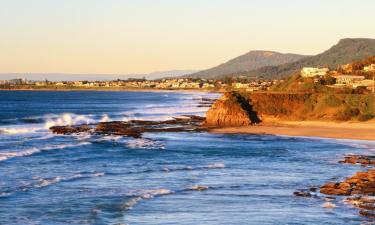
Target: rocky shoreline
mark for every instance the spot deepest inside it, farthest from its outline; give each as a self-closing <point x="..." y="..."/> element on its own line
<point x="135" y="128"/>
<point x="233" y="110"/>
<point x="358" y="190"/>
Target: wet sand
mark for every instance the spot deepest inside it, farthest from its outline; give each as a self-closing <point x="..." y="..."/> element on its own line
<point x="342" y="130"/>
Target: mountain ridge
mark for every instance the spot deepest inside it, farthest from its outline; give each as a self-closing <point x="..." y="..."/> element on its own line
<point x="249" y="61"/>
<point x="345" y="51"/>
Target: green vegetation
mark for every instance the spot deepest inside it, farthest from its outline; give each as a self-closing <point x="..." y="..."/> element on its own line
<point x="314" y="106"/>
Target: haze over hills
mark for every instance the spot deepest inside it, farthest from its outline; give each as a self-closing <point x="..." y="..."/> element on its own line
<point x="250" y="61"/>
<point x="92" y="77"/>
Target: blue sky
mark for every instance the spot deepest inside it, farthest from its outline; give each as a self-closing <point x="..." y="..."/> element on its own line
<point x="141" y="36"/>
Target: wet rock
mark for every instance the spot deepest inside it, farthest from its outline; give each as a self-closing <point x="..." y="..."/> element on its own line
<point x="359" y="159"/>
<point x="71" y="129"/>
<point x="360" y="183"/>
<point x="302" y="193"/>
<point x="135" y="128"/>
<point x="199" y="188"/>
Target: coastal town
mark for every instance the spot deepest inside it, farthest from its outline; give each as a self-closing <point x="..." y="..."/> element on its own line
<point x="166" y="84"/>
<point x="344" y="76"/>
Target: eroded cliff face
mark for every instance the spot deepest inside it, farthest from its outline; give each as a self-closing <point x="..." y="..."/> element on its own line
<point x="235" y="109"/>
<point x="231" y="110"/>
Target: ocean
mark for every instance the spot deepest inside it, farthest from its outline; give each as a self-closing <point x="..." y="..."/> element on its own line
<point x="162" y="178"/>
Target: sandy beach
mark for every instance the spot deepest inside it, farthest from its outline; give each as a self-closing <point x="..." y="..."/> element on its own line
<point x="325" y="129"/>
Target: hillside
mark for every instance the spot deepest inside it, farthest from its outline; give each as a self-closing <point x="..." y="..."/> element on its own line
<point x="346" y="51"/>
<point x="250" y="61"/>
<point x="261" y="64"/>
<point x="242" y="109"/>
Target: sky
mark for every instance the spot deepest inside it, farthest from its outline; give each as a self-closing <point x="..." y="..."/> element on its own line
<point x="142" y="36"/>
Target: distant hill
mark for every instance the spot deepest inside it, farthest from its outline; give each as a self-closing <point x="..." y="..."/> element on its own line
<point x="92" y="77"/>
<point x="346" y="51"/>
<point x="250" y="61"/>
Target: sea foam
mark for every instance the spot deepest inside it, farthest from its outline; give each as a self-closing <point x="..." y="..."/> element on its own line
<point x="34" y="150"/>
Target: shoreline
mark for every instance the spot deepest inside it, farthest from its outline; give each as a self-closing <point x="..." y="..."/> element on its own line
<point x="364" y="131"/>
<point x="116" y="89"/>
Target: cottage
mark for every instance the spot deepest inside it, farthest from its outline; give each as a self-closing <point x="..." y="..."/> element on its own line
<point x="370" y="68"/>
<point x="313" y="72"/>
<point x="348" y="79"/>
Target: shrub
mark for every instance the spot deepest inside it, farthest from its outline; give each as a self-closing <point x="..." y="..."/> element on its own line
<point x="347" y="114"/>
<point x="332" y="101"/>
<point x="365" y="117"/>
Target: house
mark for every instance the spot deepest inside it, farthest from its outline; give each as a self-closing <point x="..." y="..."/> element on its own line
<point x="348" y="79"/>
<point x="370" y="68"/>
<point x="312" y="71"/>
<point x="240" y="85"/>
<point x="365" y="83"/>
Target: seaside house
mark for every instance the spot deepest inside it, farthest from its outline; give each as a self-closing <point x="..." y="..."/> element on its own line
<point x="370" y="68"/>
<point x="369" y="84"/>
<point x="313" y="72"/>
<point x="348" y="79"/>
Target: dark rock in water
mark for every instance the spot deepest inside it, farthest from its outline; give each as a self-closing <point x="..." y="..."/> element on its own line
<point x="71" y="129"/>
<point x="359" y="159"/>
<point x="135" y="128"/>
<point x="302" y="193"/>
<point x="231" y="110"/>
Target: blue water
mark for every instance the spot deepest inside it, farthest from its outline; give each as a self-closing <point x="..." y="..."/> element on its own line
<point x="82" y="179"/>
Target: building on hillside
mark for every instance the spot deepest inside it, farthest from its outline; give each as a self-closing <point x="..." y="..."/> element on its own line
<point x="365" y="83"/>
<point x="313" y="72"/>
<point x="18" y="81"/>
<point x="348" y="79"/>
<point x="240" y="85"/>
<point x="370" y="68"/>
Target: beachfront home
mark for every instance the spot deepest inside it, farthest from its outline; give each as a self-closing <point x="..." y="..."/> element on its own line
<point x="313" y="72"/>
<point x="240" y="85"/>
<point x="348" y="79"/>
<point x="365" y="83"/>
<point x="370" y="68"/>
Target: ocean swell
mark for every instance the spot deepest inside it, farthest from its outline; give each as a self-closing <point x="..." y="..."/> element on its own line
<point x="34" y="150"/>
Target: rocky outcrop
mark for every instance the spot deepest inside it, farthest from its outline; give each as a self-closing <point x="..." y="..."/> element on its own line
<point x="358" y="190"/>
<point x="359" y="159"/>
<point x="231" y="110"/>
<point x="360" y="183"/>
<point x="135" y="128"/>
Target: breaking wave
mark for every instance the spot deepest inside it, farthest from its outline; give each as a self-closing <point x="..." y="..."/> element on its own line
<point x="68" y="119"/>
<point x="139" y="195"/>
<point x="142" y="143"/>
<point x="31" y="151"/>
<point x="45" y="182"/>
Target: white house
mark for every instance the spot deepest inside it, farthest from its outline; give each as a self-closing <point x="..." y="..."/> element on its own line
<point x="370" y="68"/>
<point x="312" y="71"/>
<point x="348" y="79"/>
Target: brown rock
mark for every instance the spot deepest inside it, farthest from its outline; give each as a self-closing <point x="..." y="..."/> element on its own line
<point x="231" y="110"/>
